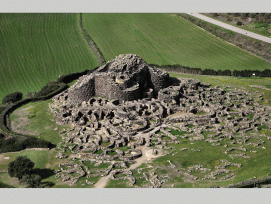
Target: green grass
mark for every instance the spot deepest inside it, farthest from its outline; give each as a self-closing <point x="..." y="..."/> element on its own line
<point x="118" y="184"/>
<point x="166" y="39"/>
<point x="250" y="116"/>
<point x="210" y="156"/>
<point x="200" y="113"/>
<point x="37" y="47"/>
<point x="43" y="159"/>
<point x="40" y="158"/>
<point x="40" y="121"/>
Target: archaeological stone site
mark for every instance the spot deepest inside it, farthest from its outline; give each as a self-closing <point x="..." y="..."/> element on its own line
<point x="128" y="104"/>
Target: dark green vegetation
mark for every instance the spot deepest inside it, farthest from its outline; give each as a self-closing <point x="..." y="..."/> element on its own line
<point x="3" y="185"/>
<point x="37" y="48"/>
<point x="166" y="39"/>
<point x="18" y="142"/>
<point x="13" y="97"/>
<point x="32" y="181"/>
<point x="20" y="167"/>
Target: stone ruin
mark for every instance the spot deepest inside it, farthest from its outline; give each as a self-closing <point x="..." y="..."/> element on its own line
<point x="128" y="103"/>
<point x="125" y="78"/>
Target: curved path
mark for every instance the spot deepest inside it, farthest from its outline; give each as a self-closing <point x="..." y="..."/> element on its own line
<point x="232" y="28"/>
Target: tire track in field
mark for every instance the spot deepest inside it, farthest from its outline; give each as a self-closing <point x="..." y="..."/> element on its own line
<point x="91" y="42"/>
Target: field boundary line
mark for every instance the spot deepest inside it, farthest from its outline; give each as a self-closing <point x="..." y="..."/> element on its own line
<point x="91" y="42"/>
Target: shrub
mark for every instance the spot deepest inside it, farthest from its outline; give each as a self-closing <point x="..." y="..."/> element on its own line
<point x="48" y="88"/>
<point x="12" y="98"/>
<point x="239" y="23"/>
<point x="3" y="185"/>
<point x="33" y="181"/>
<point x="17" y="143"/>
<point x="20" y="167"/>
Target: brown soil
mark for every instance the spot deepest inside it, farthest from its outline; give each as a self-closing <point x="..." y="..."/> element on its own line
<point x="178" y="115"/>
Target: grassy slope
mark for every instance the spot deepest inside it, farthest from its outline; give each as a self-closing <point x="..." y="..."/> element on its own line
<point x="37" y="48"/>
<point x="166" y="39"/>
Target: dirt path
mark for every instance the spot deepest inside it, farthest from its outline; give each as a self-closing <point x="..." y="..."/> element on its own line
<point x="146" y="156"/>
<point x="178" y="115"/>
<point x="232" y="28"/>
<point x="260" y="87"/>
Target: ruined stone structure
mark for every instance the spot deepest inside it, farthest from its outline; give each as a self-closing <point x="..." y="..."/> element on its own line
<point x="125" y="78"/>
<point x="141" y="103"/>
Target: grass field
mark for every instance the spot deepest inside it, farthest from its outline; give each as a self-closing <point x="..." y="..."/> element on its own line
<point x="37" y="48"/>
<point x="166" y="39"/>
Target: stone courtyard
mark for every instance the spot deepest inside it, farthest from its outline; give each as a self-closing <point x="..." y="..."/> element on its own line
<point x="126" y="104"/>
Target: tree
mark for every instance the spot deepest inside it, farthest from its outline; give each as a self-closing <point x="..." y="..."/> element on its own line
<point x="20" y="167"/>
<point x="12" y="98"/>
<point x="33" y="180"/>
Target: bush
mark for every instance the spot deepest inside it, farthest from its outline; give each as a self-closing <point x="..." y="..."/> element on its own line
<point x="17" y="143"/>
<point x="20" y="167"/>
<point x="3" y="185"/>
<point x="33" y="181"/>
<point x="239" y="23"/>
<point x="12" y="98"/>
<point x="48" y="88"/>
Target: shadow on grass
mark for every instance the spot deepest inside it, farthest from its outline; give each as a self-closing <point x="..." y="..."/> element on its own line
<point x="47" y="184"/>
<point x="44" y="173"/>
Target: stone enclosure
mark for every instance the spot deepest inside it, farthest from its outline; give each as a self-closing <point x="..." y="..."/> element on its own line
<point x="126" y="103"/>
